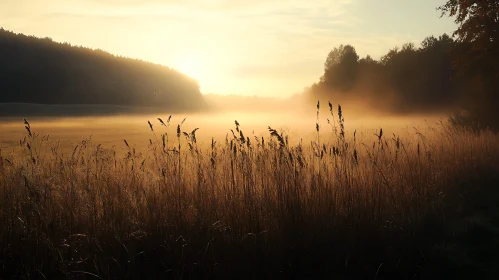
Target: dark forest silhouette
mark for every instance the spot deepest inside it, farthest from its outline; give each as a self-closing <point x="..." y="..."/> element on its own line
<point x="35" y="70"/>
<point x="444" y="74"/>
<point x="406" y="79"/>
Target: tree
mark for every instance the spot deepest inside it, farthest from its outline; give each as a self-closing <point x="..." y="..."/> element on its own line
<point x="478" y="21"/>
<point x="340" y="67"/>
<point x="478" y="26"/>
<point x="341" y="55"/>
<point x="367" y="60"/>
<point x="477" y="58"/>
<point x="429" y="42"/>
<point x="389" y="57"/>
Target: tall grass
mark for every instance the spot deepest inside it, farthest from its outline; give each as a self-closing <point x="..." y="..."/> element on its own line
<point x="348" y="204"/>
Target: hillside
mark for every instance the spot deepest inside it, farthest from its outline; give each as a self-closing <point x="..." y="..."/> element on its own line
<point x="36" y="70"/>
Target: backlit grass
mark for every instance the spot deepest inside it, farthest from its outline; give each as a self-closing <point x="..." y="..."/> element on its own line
<point x="348" y="204"/>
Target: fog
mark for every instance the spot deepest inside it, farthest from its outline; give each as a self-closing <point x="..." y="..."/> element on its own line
<point x="295" y="118"/>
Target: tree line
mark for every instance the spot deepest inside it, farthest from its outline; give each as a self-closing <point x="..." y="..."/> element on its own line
<point x="457" y="74"/>
<point x="405" y="79"/>
<point x="39" y="70"/>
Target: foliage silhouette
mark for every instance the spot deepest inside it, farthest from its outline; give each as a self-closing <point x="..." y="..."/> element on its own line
<point x="412" y="79"/>
<point x="441" y="75"/>
<point x="478" y="56"/>
<point x="35" y="70"/>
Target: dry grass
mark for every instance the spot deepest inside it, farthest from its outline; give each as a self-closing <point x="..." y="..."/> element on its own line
<point x="349" y="204"/>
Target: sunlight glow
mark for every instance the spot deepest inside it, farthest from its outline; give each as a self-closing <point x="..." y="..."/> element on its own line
<point x="191" y="65"/>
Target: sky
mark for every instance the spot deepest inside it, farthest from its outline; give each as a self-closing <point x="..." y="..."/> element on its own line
<point x="249" y="47"/>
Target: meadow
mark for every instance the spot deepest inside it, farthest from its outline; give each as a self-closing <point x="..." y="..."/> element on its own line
<point x="340" y="202"/>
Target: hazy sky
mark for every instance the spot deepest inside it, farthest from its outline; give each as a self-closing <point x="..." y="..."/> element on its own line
<point x="250" y="47"/>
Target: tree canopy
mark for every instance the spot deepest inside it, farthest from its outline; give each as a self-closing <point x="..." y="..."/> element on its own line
<point x="477" y="57"/>
<point x="478" y="21"/>
<point x="36" y="70"/>
<point x="441" y="75"/>
<point x="340" y="67"/>
<point x="405" y="79"/>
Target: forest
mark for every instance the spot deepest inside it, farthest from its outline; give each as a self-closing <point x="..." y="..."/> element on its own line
<point x="410" y="79"/>
<point x="456" y="74"/>
<point x="39" y="70"/>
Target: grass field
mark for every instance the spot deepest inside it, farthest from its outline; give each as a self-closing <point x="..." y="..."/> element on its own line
<point x="344" y="204"/>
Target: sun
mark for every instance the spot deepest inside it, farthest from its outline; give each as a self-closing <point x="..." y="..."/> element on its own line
<point x="190" y="65"/>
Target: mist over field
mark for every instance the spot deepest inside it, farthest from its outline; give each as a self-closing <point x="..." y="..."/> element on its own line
<point x="110" y="125"/>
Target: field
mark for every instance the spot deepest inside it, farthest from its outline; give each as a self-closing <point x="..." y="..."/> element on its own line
<point x="331" y="202"/>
